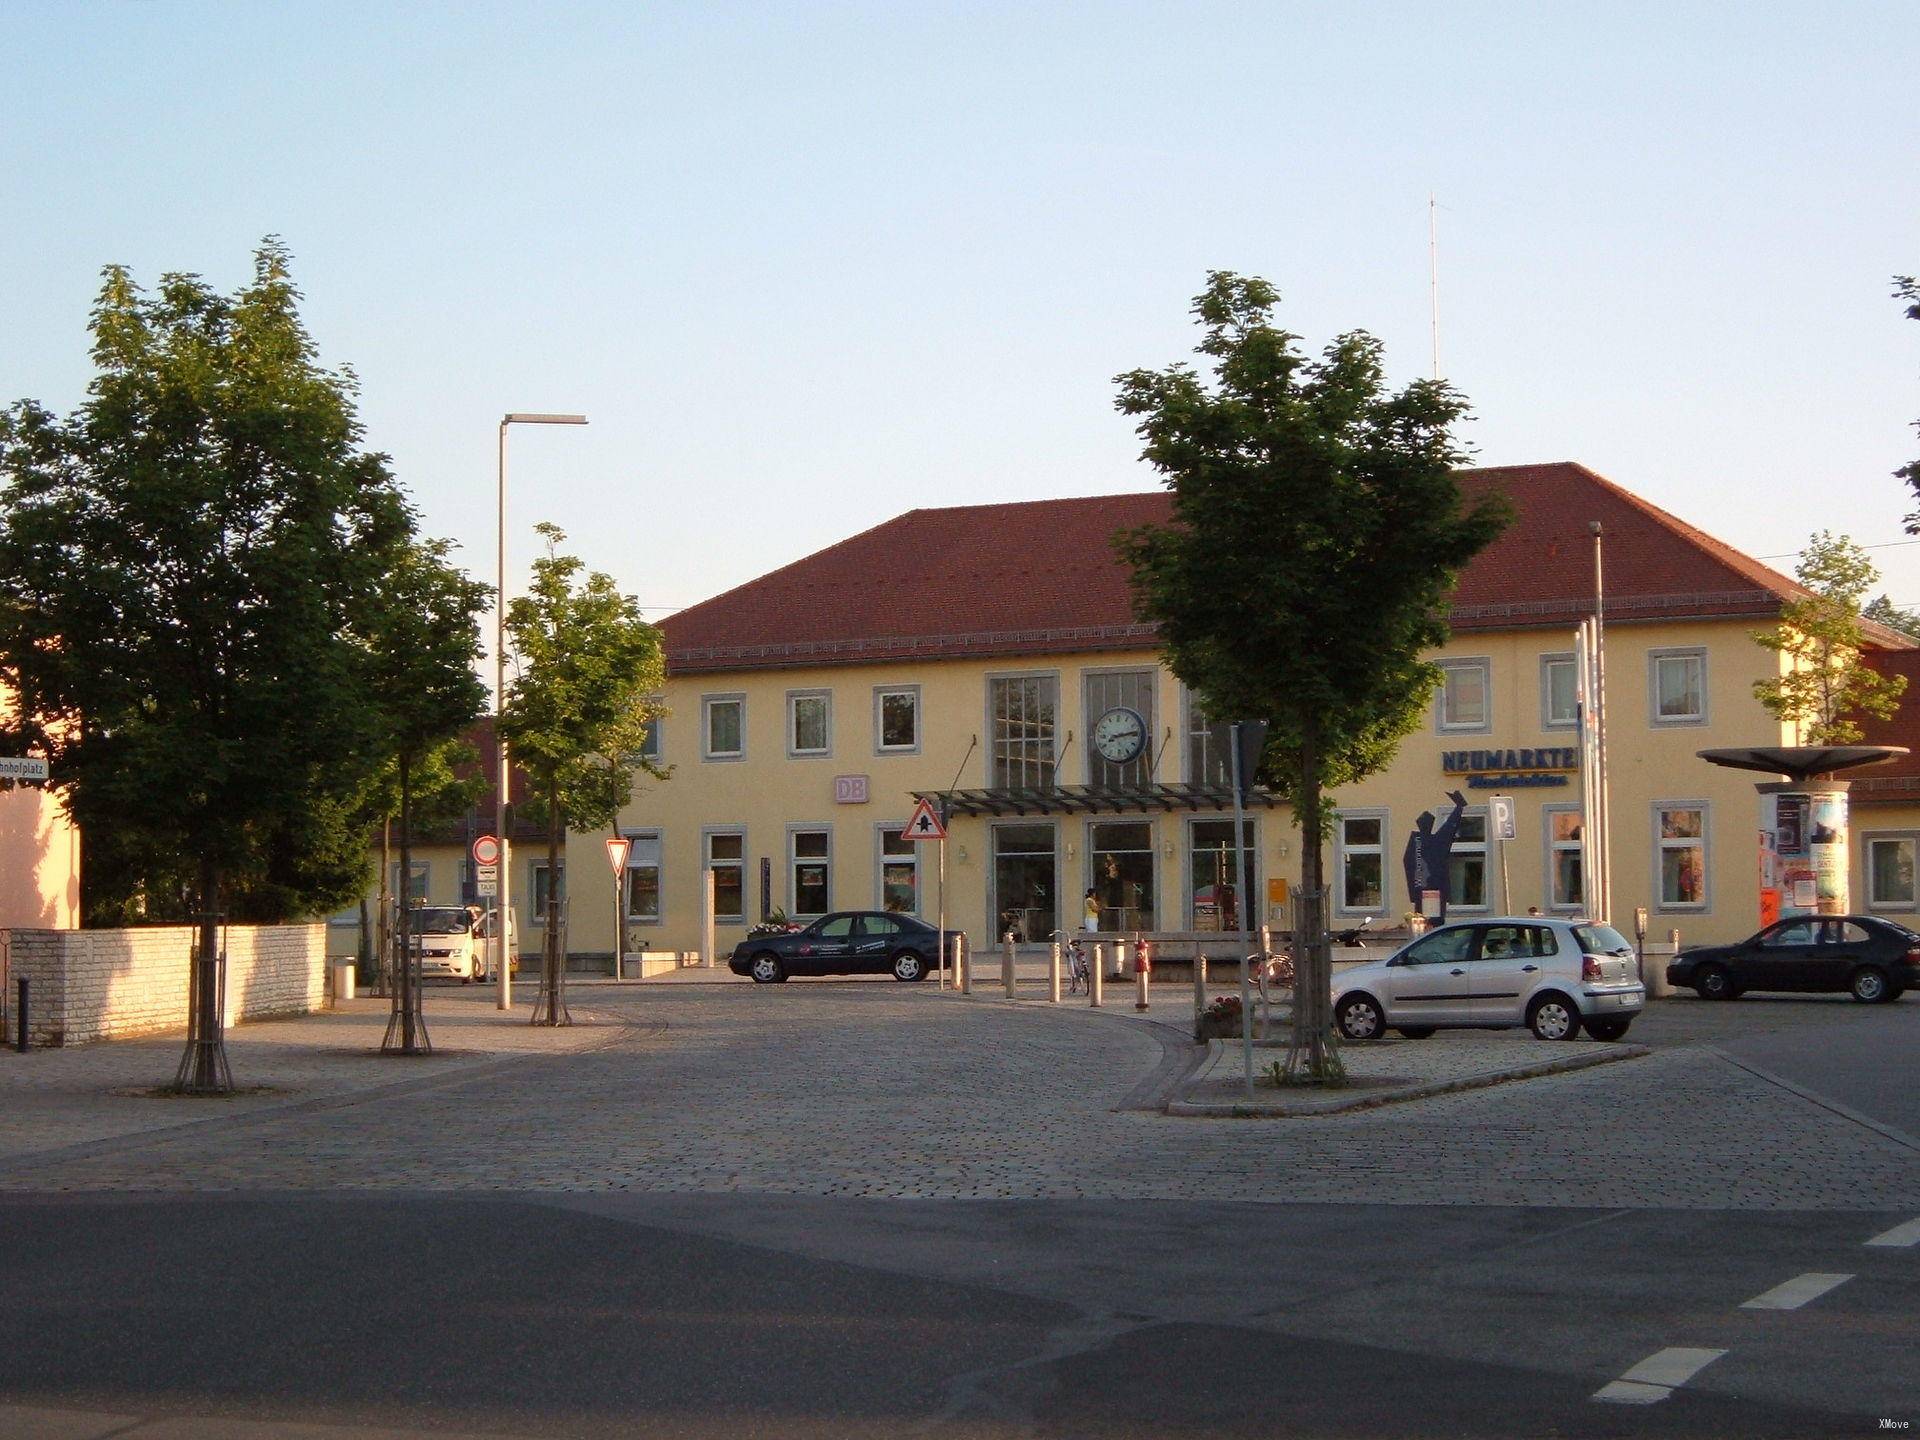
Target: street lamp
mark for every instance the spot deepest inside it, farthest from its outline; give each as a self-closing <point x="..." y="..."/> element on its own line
<point x="505" y="927"/>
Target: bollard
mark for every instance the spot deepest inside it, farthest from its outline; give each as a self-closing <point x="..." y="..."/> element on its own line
<point x="20" y="1019"/>
<point x="1199" y="981"/>
<point x="1119" y="960"/>
<point x="1096" y="976"/>
<point x="1142" y="972"/>
<point x="1006" y="966"/>
<point x="1053" y="974"/>
<point x="962" y="964"/>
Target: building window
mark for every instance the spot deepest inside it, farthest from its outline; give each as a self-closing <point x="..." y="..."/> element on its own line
<point x="896" y="719"/>
<point x="1361" y="863"/>
<point x="1105" y="690"/>
<point x="809" y="722"/>
<point x="723" y="726"/>
<point x="1890" y="867"/>
<point x="1213" y="873"/>
<point x="549" y="891"/>
<point x="1681" y="832"/>
<point x="650" y="740"/>
<point x="1025" y="900"/>
<point x="1678" y="680"/>
<point x="1121" y="860"/>
<point x="1559" y="693"/>
<point x="1565" y="887"/>
<point x="1209" y="747"/>
<point x="726" y="858"/>
<point x="1467" y="863"/>
<point x="416" y="892"/>
<point x="899" y="871"/>
<point x="1022" y="711"/>
<point x="1466" y="695"/>
<point x="809" y="864"/>
<point x="643" y="877"/>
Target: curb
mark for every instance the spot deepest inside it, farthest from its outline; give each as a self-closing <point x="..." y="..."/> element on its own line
<point x="1242" y="1109"/>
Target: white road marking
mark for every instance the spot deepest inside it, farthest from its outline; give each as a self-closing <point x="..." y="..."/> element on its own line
<point x="1907" y="1234"/>
<point x="1796" y="1292"/>
<point x="1657" y="1376"/>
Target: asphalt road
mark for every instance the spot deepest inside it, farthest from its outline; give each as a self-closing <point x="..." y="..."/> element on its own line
<point x="683" y="1307"/>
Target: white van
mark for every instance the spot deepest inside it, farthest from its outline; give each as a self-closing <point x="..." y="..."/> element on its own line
<point x="455" y="940"/>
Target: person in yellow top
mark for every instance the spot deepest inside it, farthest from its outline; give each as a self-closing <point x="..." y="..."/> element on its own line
<point x="1090" y="918"/>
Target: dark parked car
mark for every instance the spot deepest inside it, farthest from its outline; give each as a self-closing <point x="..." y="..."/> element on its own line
<point x="1871" y="958"/>
<point x="849" y="942"/>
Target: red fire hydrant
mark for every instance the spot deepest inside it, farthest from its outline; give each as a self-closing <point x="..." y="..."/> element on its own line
<point x="1142" y="968"/>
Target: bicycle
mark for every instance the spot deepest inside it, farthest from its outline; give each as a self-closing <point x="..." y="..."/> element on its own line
<point x="1079" y="974"/>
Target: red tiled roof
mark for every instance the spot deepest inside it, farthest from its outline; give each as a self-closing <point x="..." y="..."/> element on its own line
<point x="1040" y="576"/>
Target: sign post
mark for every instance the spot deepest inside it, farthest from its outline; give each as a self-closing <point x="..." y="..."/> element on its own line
<point x="486" y="885"/>
<point x="1503" y="830"/>
<point x="617" y="850"/>
<point x="925" y="824"/>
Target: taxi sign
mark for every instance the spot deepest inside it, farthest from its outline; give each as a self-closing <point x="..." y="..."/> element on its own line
<point x="924" y="824"/>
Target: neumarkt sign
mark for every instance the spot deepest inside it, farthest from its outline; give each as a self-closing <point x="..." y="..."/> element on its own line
<point x="1499" y="769"/>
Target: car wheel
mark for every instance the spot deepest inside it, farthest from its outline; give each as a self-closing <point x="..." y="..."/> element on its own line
<point x="1608" y="1029"/>
<point x="1358" y="1017"/>
<point x="1714" y="983"/>
<point x="1554" y="1017"/>
<point x="1416" y="1032"/>
<point x="766" y="969"/>
<point x="908" y="965"/>
<point x="1869" y="985"/>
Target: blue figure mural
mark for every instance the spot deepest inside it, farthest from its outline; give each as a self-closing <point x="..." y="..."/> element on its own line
<point x="1428" y="849"/>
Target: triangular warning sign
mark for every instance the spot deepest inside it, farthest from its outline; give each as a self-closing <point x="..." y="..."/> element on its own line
<point x="925" y="824"/>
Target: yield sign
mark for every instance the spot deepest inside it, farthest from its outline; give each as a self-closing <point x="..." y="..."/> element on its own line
<point x="925" y="825"/>
<point x="617" y="849"/>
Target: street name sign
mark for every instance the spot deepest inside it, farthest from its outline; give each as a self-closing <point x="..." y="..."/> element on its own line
<point x="22" y="767"/>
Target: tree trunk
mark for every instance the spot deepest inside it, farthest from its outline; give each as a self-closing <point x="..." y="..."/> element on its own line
<point x="1309" y="1053"/>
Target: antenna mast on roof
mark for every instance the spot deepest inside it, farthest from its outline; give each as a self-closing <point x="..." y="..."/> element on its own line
<point x="1433" y="276"/>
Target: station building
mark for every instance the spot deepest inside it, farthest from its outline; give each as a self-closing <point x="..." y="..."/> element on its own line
<point x="969" y="654"/>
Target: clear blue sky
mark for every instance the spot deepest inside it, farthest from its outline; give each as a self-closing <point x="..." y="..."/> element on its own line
<point x="807" y="266"/>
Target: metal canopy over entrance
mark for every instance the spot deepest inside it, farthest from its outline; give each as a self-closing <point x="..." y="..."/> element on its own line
<point x="1092" y="799"/>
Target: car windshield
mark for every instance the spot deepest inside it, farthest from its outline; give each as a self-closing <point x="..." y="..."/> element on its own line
<point x="442" y="922"/>
<point x="1601" y="940"/>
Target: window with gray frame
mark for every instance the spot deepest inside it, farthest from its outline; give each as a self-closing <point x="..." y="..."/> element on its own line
<point x="1677" y="680"/>
<point x="1890" y="871"/>
<point x="1361" y="863"/>
<point x="1466" y="695"/>
<point x="549" y="890"/>
<point x="643" y="877"/>
<point x="1023" y="710"/>
<point x="899" y="871"/>
<point x="1025" y="897"/>
<point x="1120" y="856"/>
<point x="809" y="722"/>
<point x="1213" y="873"/>
<point x="896" y="719"/>
<point x="1558" y="692"/>
<point x="809" y="870"/>
<point x="1106" y="690"/>
<point x="723" y="723"/>
<point x="1566" y="878"/>
<point x="726" y="858"/>
<point x="1680" y="838"/>
<point x="416" y="892"/>
<point x="1209" y="746"/>
<point x="1467" y="863"/>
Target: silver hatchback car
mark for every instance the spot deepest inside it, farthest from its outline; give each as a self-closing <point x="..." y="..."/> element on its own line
<point x="1553" y="976"/>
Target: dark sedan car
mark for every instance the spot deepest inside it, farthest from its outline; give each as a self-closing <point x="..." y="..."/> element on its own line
<point x="1872" y="959"/>
<point x="849" y="942"/>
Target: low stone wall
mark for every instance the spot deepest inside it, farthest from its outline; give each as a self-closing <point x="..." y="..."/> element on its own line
<point x="90" y="985"/>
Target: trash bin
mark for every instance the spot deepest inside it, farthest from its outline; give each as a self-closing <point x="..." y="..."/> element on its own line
<point x="343" y="980"/>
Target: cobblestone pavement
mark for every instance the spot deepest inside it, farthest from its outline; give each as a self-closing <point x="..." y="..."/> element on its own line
<point x="885" y="1090"/>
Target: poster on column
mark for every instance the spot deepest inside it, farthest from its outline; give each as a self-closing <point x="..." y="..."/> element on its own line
<point x="1827" y="841"/>
<point x="1793" y="861"/>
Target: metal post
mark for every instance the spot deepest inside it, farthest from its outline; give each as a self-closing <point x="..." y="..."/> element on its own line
<point x="619" y="920"/>
<point x="1602" y="910"/>
<point x="942" y="864"/>
<point x="1006" y="966"/>
<point x="1246" y="913"/>
<point x="503" y="981"/>
<point x="1139" y="980"/>
<point x="1053" y="973"/>
<point x="1096" y="985"/>
<point x="962" y="966"/>
<point x="20" y="1019"/>
<point x="1199" y="981"/>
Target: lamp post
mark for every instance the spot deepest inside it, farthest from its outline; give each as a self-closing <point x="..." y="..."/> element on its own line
<point x="504" y="970"/>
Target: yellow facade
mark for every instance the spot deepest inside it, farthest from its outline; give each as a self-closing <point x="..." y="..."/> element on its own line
<point x="766" y="794"/>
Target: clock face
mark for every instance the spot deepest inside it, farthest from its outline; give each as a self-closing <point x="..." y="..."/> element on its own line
<point x="1119" y="735"/>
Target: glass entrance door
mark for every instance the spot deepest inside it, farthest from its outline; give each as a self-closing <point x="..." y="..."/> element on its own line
<point x="1025" y="895"/>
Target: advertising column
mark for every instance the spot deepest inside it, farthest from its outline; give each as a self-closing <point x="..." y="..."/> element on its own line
<point x="1804" y="868"/>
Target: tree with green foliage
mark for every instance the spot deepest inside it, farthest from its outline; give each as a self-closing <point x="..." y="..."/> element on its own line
<point x="422" y="645"/>
<point x="1824" y="685"/>
<point x="577" y="710"/>
<point x="1317" y="533"/>
<point x="1882" y="611"/>
<point x="189" y="570"/>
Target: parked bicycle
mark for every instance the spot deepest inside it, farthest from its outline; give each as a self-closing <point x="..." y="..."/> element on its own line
<point x="1079" y="972"/>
